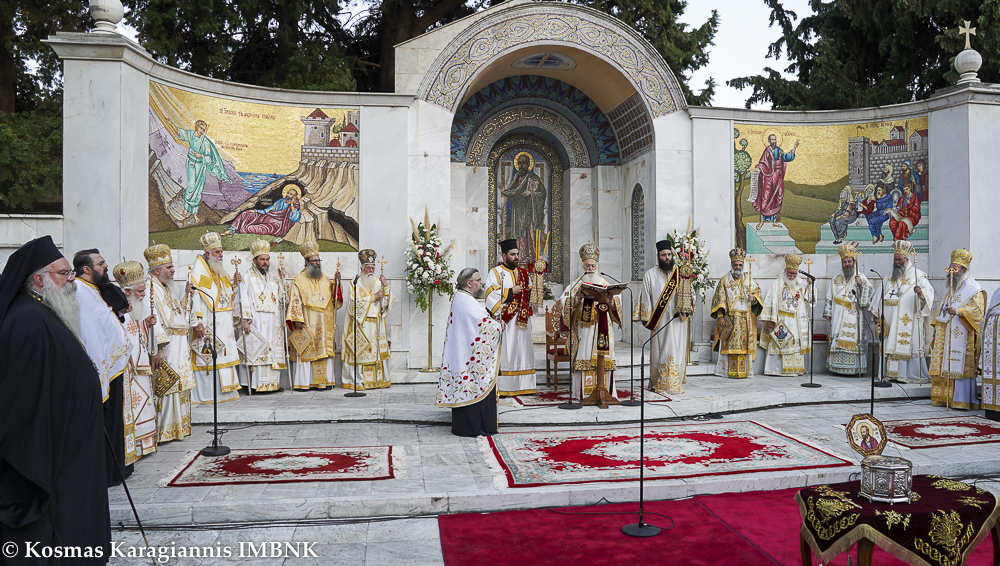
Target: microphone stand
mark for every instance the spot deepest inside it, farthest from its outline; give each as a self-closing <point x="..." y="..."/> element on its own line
<point x="570" y="405"/>
<point x="630" y="402"/>
<point x="871" y="409"/>
<point x="641" y="529"/>
<point x="881" y="348"/>
<point x="812" y="301"/>
<point x="215" y="449"/>
<point x="355" y="392"/>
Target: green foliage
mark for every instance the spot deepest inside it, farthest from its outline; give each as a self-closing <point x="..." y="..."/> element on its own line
<point x="685" y="51"/>
<point x="741" y="159"/>
<point x="30" y="157"/>
<point x="276" y="43"/>
<point x="858" y="53"/>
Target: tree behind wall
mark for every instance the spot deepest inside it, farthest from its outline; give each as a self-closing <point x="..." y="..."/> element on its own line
<point x="860" y="53"/>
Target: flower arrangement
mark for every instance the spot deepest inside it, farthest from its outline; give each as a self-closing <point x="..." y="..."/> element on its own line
<point x="691" y="254"/>
<point x="427" y="268"/>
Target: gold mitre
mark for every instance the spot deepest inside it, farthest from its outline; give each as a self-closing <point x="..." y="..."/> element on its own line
<point x="157" y="255"/>
<point x="590" y="251"/>
<point x="737" y="254"/>
<point x="793" y="261"/>
<point x="902" y="247"/>
<point x="367" y="256"/>
<point x="308" y="249"/>
<point x="848" y="250"/>
<point x="210" y="241"/>
<point x="962" y="257"/>
<point x="260" y="247"/>
<point x="128" y="274"/>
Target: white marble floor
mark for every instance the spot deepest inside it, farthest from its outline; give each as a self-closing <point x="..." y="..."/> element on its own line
<point x="376" y="523"/>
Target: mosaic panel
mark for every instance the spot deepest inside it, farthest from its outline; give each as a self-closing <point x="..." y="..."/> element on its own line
<point x="632" y="125"/>
<point x="510" y="119"/>
<point x="638" y="234"/>
<point x="583" y="28"/>
<point x="548" y="166"/>
<point x="812" y="188"/>
<point x="598" y="135"/>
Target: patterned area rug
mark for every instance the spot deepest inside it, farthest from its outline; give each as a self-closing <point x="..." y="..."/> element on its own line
<point x="282" y="465"/>
<point x="545" y="398"/>
<point x="533" y="458"/>
<point x="945" y="431"/>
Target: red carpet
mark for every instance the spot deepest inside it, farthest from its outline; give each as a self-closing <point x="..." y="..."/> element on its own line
<point x="547" y="398"/>
<point x="731" y="529"/>
<point x="283" y="465"/>
<point x="944" y="431"/>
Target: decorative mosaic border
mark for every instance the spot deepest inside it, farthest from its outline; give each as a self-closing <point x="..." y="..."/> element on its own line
<point x="509" y="119"/>
<point x="556" y="243"/>
<point x="551" y="24"/>
<point x="571" y="102"/>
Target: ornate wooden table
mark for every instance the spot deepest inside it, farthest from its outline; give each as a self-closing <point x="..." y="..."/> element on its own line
<point x="940" y="527"/>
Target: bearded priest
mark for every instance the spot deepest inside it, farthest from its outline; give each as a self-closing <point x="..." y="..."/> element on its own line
<point x="590" y="322"/>
<point x="261" y="296"/>
<point x="909" y="300"/>
<point x="173" y="378"/>
<point x="786" y="321"/>
<point x="367" y="308"/>
<point x="956" y="337"/>
<point x="664" y="295"/>
<point x="130" y="277"/>
<point x="213" y="301"/>
<point x="735" y="307"/>
<point x="847" y="300"/>
<point x="470" y="360"/>
<point x="508" y="290"/>
<point x="108" y="346"/>
<point x="313" y="300"/>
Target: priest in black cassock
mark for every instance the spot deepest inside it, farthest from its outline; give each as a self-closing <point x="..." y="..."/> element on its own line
<point x="470" y="361"/>
<point x="52" y="482"/>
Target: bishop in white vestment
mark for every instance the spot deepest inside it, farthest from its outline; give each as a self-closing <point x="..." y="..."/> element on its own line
<point x="954" y="349"/>
<point x="593" y="336"/>
<point x="786" y="321"/>
<point x="213" y="300"/>
<point x="508" y="290"/>
<point x="261" y="298"/>
<point x="470" y="360"/>
<point x="130" y="277"/>
<point x="909" y="300"/>
<point x="989" y="361"/>
<point x="664" y="295"/>
<point x="366" y="341"/>
<point x="847" y="300"/>
<point x="736" y="304"/>
<point x="173" y="378"/>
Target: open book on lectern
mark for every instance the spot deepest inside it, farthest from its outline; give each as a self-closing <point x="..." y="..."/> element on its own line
<point x="593" y="290"/>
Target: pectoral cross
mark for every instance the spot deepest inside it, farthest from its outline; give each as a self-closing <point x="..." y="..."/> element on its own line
<point x="382" y="263"/>
<point x="967" y="31"/>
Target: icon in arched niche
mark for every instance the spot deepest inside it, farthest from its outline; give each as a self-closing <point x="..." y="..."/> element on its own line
<point x="526" y="200"/>
<point x="247" y="170"/>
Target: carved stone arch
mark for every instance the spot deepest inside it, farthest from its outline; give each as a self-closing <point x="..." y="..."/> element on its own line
<point x="638" y="209"/>
<point x="551" y="24"/>
<point x="527" y="117"/>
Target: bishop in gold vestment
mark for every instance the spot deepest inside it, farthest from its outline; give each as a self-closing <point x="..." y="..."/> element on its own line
<point x="735" y="307"/>
<point x="366" y="341"/>
<point x="956" y="338"/>
<point x="313" y="300"/>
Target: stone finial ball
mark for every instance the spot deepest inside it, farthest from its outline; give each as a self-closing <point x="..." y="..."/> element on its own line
<point x="968" y="61"/>
<point x="107" y="13"/>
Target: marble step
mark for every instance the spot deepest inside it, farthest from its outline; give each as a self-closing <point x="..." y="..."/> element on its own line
<point x="770" y="239"/>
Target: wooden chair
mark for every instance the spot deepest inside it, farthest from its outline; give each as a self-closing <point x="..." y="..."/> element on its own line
<point x="555" y="345"/>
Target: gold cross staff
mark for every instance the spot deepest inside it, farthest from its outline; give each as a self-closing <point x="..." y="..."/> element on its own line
<point x="968" y="32"/>
<point x="382" y="263"/>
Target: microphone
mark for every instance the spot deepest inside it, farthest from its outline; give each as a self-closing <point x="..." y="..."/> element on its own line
<point x="876" y="273"/>
<point x="356" y="277"/>
<point x="809" y="275"/>
<point x="612" y="278"/>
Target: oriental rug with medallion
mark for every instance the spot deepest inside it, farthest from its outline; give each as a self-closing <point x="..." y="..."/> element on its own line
<point x="546" y="398"/>
<point x="944" y="431"/>
<point x="285" y="465"/>
<point x="549" y="457"/>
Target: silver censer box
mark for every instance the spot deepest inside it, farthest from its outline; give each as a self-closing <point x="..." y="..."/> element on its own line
<point x="886" y="479"/>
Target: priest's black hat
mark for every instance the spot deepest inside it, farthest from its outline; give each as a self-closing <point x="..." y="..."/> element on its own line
<point x="28" y="259"/>
<point x="507" y="245"/>
<point x="663" y="245"/>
